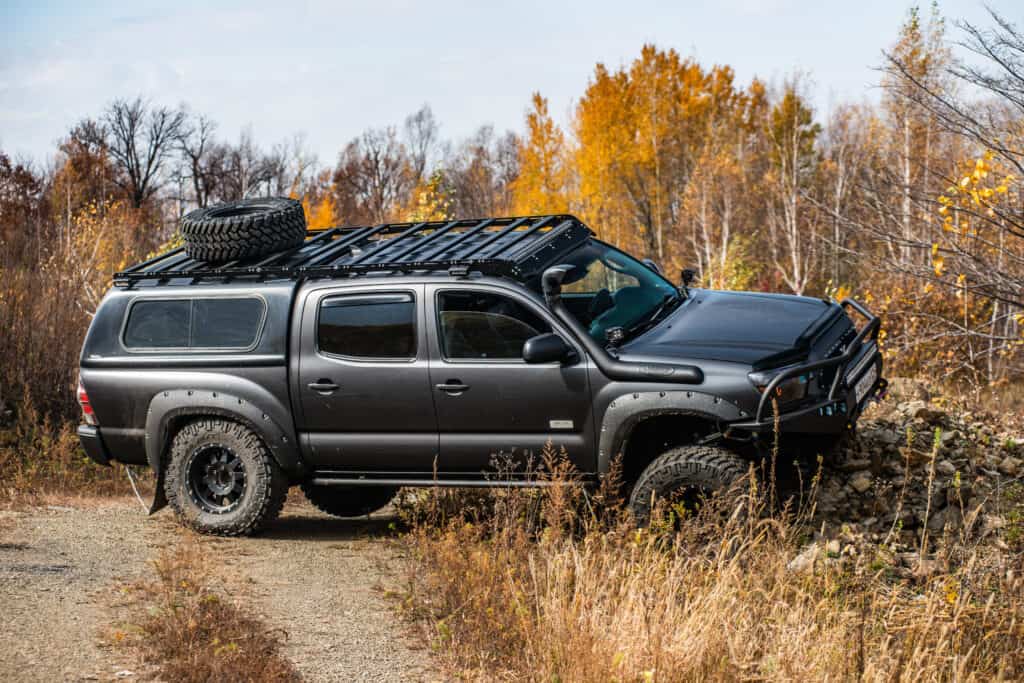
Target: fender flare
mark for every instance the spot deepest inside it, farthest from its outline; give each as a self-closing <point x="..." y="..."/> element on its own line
<point x="168" y="406"/>
<point x="625" y="412"/>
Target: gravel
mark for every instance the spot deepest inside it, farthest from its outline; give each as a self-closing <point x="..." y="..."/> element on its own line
<point x="317" y="578"/>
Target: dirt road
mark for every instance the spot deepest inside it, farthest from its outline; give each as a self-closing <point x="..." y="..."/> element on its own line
<point x="316" y="577"/>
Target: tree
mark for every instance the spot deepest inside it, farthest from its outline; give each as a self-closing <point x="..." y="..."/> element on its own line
<point x="922" y="51"/>
<point x="792" y="133"/>
<point x="421" y="132"/>
<point x="542" y="184"/>
<point x="139" y="138"/>
<point x="204" y="159"/>
<point x="481" y="172"/>
<point x="373" y="177"/>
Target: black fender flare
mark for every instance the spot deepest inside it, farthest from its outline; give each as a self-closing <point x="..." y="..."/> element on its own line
<point x="166" y="407"/>
<point x="625" y="412"/>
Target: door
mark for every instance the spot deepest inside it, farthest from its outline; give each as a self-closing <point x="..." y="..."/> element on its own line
<point x="490" y="403"/>
<point x="367" y="403"/>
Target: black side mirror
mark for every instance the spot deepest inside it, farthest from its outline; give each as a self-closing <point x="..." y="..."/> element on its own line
<point x="650" y="263"/>
<point x="547" y="348"/>
<point x="689" y="275"/>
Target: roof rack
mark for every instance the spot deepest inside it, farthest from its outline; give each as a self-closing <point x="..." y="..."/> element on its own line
<point x="512" y="246"/>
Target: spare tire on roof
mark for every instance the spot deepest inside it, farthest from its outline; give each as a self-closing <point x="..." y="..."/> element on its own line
<point x="245" y="229"/>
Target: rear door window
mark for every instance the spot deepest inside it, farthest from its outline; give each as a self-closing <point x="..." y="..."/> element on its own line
<point x="222" y="323"/>
<point x="368" y="326"/>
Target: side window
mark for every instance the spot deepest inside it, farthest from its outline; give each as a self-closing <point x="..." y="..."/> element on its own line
<point x="194" y="324"/>
<point x="158" y="324"/>
<point x="368" y="326"/>
<point x="226" y="323"/>
<point x="479" y="325"/>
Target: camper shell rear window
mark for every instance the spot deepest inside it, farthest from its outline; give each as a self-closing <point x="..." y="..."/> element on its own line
<point x="229" y="323"/>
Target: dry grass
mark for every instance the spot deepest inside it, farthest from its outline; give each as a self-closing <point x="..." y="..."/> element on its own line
<point x="41" y="458"/>
<point x="528" y="585"/>
<point x="184" y="624"/>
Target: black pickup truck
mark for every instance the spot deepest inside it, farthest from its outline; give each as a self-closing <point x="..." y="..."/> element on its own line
<point x="354" y="361"/>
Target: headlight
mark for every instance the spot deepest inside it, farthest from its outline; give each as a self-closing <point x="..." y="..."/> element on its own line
<point x="787" y="391"/>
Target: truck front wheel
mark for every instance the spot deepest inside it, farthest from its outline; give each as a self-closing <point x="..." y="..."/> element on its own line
<point x="221" y="479"/>
<point x="687" y="475"/>
<point x="348" y="501"/>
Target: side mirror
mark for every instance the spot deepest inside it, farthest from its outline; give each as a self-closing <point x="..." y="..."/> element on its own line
<point x="689" y="275"/>
<point x="650" y="263"/>
<point x="547" y="348"/>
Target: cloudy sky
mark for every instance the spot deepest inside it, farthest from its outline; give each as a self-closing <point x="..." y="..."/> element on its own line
<point x="330" y="69"/>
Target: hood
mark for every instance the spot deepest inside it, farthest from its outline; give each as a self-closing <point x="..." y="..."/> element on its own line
<point x="762" y="330"/>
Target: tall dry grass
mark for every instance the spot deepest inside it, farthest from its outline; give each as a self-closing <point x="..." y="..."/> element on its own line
<point x="186" y="624"/>
<point x="533" y="585"/>
<point x="46" y="305"/>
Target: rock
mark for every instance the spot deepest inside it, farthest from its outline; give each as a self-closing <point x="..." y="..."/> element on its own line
<point x="907" y="389"/>
<point x="855" y="465"/>
<point x="914" y="456"/>
<point x="1010" y="466"/>
<point x="920" y="410"/>
<point x="945" y="467"/>
<point x="804" y="562"/>
<point x="937" y="521"/>
<point x="861" y="482"/>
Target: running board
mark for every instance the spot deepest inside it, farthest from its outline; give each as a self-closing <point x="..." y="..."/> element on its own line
<point x="451" y="483"/>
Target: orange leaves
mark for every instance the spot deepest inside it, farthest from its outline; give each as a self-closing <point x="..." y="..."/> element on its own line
<point x="543" y="173"/>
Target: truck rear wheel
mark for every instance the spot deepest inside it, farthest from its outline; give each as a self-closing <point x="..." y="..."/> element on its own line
<point x="245" y="229"/>
<point x="348" y="501"/>
<point x="687" y="475"/>
<point x="222" y="480"/>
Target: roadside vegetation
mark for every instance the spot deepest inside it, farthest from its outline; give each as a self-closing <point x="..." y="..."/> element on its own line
<point x="554" y="585"/>
<point x="188" y="625"/>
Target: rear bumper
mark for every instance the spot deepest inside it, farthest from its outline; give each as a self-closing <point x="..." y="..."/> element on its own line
<point x="93" y="444"/>
<point x="857" y="381"/>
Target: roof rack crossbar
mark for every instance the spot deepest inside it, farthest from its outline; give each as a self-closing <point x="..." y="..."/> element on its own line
<point x="325" y="236"/>
<point x="387" y="244"/>
<point x="149" y="262"/>
<point x="171" y="263"/>
<point x="458" y="240"/>
<point x="497" y="236"/>
<point x="426" y="241"/>
<point x="336" y="246"/>
<point x="516" y="239"/>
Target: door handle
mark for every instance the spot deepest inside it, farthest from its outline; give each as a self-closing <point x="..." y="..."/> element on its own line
<point x="323" y="386"/>
<point x="452" y="386"/>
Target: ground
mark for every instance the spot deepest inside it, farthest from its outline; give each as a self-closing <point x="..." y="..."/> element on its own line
<point x="319" y="579"/>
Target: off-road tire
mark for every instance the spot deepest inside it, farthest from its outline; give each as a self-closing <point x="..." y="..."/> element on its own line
<point x="348" y="501"/>
<point x="245" y="229"/>
<point x="703" y="467"/>
<point x="263" y="493"/>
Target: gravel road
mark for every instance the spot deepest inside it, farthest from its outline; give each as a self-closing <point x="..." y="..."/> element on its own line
<point x="315" y="577"/>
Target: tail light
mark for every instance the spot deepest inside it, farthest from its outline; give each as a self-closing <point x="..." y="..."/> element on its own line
<point x="83" y="400"/>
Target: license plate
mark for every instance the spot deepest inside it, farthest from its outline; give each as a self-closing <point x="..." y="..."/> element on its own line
<point x="865" y="383"/>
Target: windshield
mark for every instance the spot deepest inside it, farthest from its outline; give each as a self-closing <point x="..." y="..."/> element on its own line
<point x="608" y="288"/>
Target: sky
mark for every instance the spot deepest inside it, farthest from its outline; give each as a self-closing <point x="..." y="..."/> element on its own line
<point x="329" y="70"/>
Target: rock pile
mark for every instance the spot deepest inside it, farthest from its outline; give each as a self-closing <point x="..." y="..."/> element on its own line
<point x="915" y="468"/>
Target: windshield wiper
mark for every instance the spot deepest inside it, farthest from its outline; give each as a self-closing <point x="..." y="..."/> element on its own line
<point x="668" y="303"/>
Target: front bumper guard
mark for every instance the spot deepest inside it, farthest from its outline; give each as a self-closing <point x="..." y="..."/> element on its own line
<point x="862" y="354"/>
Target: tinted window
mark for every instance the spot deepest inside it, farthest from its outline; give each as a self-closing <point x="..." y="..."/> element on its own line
<point x="226" y="323"/>
<point x="229" y="323"/>
<point x="477" y="325"/>
<point x="368" y="326"/>
<point x="159" y="324"/>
